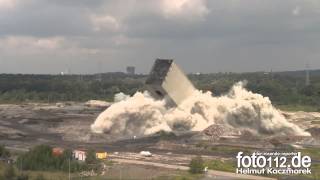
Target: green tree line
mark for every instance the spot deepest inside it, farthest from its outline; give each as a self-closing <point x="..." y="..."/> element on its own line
<point x="283" y="88"/>
<point x="41" y="158"/>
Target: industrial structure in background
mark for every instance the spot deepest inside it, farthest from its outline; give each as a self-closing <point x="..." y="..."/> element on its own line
<point x="307" y="75"/>
<point x="131" y="70"/>
<point x="167" y="81"/>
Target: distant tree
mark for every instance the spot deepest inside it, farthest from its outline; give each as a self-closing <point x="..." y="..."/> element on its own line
<point x="4" y="153"/>
<point x="196" y="165"/>
<point x="165" y="134"/>
<point x="91" y="157"/>
<point x="286" y="88"/>
<point x="41" y="158"/>
<point x="40" y="177"/>
<point x="308" y="90"/>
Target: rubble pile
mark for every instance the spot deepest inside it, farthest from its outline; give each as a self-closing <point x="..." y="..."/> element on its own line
<point x="98" y="104"/>
<point x="314" y="131"/>
<point x="217" y="130"/>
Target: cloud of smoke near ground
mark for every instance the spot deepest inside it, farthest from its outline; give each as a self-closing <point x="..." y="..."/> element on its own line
<point x="240" y="108"/>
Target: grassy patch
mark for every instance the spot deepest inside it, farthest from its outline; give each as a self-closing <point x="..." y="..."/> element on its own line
<point x="315" y="173"/>
<point x="315" y="169"/>
<point x="34" y="174"/>
<point x="183" y="176"/>
<point x="222" y="149"/>
<point x="163" y="135"/>
<point x="230" y="149"/>
<point x="221" y="165"/>
<point x="315" y="122"/>
<point x="108" y="162"/>
<point x="314" y="153"/>
<point x="48" y="175"/>
<point x="295" y="107"/>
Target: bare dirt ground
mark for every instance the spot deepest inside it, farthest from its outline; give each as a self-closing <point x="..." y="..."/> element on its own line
<point x="63" y="124"/>
<point x="68" y="124"/>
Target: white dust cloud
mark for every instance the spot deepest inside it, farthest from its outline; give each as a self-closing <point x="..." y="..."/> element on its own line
<point x="242" y="109"/>
<point x="120" y="97"/>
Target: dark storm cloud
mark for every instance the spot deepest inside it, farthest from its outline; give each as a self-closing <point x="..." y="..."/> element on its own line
<point x="203" y="36"/>
<point x="44" y="19"/>
<point x="77" y="3"/>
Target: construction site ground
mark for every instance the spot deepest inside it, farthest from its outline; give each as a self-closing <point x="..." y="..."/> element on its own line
<point x="67" y="125"/>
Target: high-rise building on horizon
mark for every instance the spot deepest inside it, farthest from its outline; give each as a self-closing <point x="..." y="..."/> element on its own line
<point x="131" y="70"/>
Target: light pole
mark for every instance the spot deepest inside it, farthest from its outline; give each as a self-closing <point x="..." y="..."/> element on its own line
<point x="120" y="172"/>
<point x="69" y="169"/>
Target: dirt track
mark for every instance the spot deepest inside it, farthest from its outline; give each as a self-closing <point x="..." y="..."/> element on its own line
<point x="212" y="174"/>
<point x="68" y="125"/>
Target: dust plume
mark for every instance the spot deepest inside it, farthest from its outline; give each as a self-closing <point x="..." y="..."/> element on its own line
<point x="240" y="108"/>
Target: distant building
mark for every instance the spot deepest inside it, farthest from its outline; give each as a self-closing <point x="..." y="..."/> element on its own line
<point x="131" y="70"/>
<point x="57" y="151"/>
<point x="101" y="155"/>
<point x="6" y="160"/>
<point x="80" y="155"/>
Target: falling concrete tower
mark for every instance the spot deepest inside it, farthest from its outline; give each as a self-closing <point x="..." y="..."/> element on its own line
<point x="167" y="81"/>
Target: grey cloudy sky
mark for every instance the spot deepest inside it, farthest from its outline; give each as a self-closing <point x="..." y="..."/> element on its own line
<point x="89" y="36"/>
